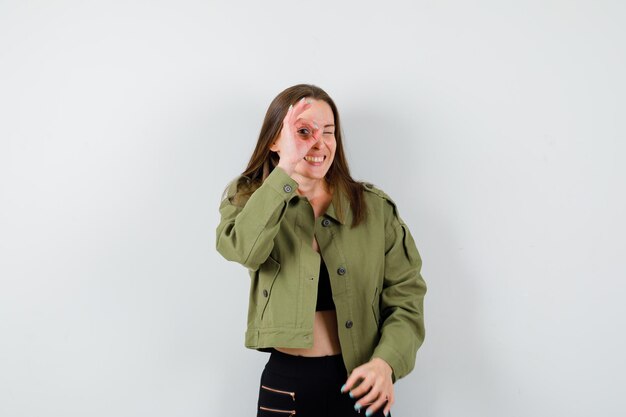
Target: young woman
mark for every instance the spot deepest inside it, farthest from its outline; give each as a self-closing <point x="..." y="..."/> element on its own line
<point x="336" y="291"/>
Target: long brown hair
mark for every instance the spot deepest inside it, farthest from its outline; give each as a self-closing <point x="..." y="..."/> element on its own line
<point x="263" y="160"/>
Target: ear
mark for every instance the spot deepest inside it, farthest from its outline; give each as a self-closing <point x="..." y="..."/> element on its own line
<point x="274" y="147"/>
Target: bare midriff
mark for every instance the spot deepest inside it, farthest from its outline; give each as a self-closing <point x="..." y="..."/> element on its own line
<point x="325" y="337"/>
<point x="325" y="333"/>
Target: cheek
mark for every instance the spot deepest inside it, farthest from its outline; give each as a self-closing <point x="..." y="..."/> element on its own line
<point x="332" y="145"/>
<point x="331" y="142"/>
<point x="333" y="154"/>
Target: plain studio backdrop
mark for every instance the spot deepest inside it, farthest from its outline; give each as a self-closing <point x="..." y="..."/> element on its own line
<point x="497" y="126"/>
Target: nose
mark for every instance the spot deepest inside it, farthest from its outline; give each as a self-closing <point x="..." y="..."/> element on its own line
<point x="319" y="139"/>
<point x="317" y="133"/>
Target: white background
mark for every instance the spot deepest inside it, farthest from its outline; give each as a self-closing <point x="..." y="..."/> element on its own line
<point x="497" y="126"/>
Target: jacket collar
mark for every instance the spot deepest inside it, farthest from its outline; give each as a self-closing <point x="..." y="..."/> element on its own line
<point x="339" y="198"/>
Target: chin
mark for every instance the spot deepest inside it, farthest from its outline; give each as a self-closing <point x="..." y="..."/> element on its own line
<point x="313" y="175"/>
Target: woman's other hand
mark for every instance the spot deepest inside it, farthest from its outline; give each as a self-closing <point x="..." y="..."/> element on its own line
<point x="296" y="138"/>
<point x="375" y="389"/>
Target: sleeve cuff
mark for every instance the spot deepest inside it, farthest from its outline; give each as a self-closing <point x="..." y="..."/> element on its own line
<point x="392" y="357"/>
<point x="281" y="182"/>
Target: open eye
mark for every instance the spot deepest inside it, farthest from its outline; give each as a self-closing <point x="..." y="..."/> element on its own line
<point x="304" y="131"/>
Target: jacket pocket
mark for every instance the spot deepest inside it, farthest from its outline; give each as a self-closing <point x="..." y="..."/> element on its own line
<point x="376" y="308"/>
<point x="267" y="276"/>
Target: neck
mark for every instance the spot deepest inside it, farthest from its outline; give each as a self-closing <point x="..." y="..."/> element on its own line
<point x="312" y="188"/>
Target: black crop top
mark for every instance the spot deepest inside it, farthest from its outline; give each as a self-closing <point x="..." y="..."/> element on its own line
<point x="324" y="292"/>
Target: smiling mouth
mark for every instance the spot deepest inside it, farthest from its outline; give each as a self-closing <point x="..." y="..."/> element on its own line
<point x="314" y="158"/>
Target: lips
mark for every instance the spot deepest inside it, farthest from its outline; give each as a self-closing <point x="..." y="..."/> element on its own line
<point x="311" y="158"/>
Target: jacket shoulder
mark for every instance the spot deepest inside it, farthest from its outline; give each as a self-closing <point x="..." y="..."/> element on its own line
<point x="391" y="210"/>
<point x="371" y="188"/>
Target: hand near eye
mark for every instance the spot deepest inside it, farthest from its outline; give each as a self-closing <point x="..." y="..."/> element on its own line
<point x="296" y="138"/>
<point x="375" y="389"/>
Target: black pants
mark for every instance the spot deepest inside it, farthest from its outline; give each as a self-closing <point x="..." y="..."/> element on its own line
<point x="298" y="386"/>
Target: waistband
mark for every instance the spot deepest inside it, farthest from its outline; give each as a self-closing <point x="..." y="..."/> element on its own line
<point x="292" y="365"/>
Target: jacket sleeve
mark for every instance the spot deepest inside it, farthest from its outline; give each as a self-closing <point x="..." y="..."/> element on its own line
<point x="402" y="299"/>
<point x="246" y="233"/>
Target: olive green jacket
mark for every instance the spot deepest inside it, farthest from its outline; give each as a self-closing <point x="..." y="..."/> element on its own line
<point x="374" y="271"/>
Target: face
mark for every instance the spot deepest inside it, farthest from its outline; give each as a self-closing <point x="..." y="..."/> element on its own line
<point x="324" y="147"/>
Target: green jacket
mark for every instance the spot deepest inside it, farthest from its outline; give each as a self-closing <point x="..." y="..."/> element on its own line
<point x="374" y="272"/>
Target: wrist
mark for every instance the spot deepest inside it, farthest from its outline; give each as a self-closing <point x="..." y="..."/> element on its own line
<point x="288" y="168"/>
<point x="384" y="364"/>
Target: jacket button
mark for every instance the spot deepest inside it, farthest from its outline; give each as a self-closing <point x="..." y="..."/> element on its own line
<point x="325" y="222"/>
<point x="348" y="324"/>
<point x="341" y="270"/>
<point x="265" y="293"/>
<point x="287" y="188"/>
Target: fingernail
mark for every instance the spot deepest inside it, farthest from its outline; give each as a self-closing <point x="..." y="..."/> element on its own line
<point x="357" y="406"/>
<point x="350" y="393"/>
<point x="343" y="388"/>
<point x="368" y="413"/>
<point x="303" y="98"/>
<point x="386" y="413"/>
<point x="290" y="106"/>
<point x="308" y="100"/>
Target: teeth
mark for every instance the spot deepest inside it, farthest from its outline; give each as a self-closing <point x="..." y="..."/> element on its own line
<point x="314" y="158"/>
